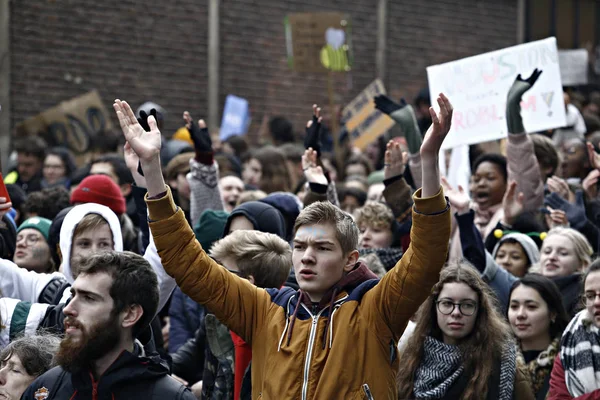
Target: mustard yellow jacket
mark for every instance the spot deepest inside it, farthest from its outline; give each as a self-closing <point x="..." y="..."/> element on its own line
<point x="356" y="356"/>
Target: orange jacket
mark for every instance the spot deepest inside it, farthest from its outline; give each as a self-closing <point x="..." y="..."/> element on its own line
<point x="358" y="350"/>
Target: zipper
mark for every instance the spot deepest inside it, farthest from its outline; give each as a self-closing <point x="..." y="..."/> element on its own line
<point x="367" y="392"/>
<point x="309" y="349"/>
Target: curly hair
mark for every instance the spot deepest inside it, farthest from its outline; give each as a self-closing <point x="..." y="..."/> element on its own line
<point x="35" y="352"/>
<point x="481" y="349"/>
<point x="374" y="214"/>
<point x="47" y="203"/>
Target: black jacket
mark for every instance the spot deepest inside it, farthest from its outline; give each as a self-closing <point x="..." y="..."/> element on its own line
<point x="131" y="376"/>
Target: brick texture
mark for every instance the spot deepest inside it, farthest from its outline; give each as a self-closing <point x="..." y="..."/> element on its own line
<point x="151" y="50"/>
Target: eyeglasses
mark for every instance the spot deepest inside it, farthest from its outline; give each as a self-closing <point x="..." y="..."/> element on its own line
<point x="30" y="240"/>
<point x="446" y="307"/>
<point x="590" y="297"/>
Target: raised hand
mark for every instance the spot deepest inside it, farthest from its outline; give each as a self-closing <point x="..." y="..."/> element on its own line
<point x="145" y="144"/>
<point x="312" y="172"/>
<point x="459" y="198"/>
<point x="313" y="131"/>
<point x="556" y="218"/>
<point x="513" y="101"/>
<point x="133" y="163"/>
<point x="143" y="119"/>
<point x="438" y="130"/>
<point x="559" y="186"/>
<point x="590" y="184"/>
<point x="575" y="212"/>
<point x="4" y="207"/>
<point x="593" y="156"/>
<point x="513" y="204"/>
<point x="387" y="105"/>
<point x="395" y="160"/>
<point x="199" y="133"/>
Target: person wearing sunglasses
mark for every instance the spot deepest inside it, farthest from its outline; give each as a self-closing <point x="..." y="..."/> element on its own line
<point x="461" y="347"/>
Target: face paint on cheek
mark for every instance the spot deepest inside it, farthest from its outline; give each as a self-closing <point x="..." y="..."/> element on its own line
<point x="39" y="253"/>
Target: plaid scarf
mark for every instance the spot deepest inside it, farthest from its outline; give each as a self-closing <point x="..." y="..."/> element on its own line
<point x="442" y="365"/>
<point x="580" y="355"/>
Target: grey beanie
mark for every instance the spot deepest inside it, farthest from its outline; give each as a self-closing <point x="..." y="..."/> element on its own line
<point x="527" y="243"/>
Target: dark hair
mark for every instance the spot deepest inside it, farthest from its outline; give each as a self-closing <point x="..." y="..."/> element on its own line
<point x="32" y="145"/>
<point x="238" y="144"/>
<point x="36" y="352"/>
<point x="105" y="142"/>
<point x="80" y="174"/>
<point x="47" y="203"/>
<point x="360" y="159"/>
<point x="548" y="291"/>
<point x="494" y="158"/>
<point x="118" y="165"/>
<point x="360" y="195"/>
<point x="134" y="282"/>
<point x="545" y="151"/>
<point x="281" y="130"/>
<point x="592" y="122"/>
<point x="594" y="267"/>
<point x="293" y="152"/>
<point x="17" y="196"/>
<point x="67" y="159"/>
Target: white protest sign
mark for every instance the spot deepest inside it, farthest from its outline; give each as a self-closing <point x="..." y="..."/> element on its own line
<point x="573" y="67"/>
<point x="477" y="87"/>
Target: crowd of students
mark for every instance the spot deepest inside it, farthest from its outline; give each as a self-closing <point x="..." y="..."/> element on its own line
<point x="193" y="268"/>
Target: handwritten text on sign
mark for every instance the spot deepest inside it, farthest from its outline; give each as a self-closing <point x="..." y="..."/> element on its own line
<point x="477" y="87"/>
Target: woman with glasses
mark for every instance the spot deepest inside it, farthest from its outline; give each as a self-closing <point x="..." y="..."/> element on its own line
<point x="537" y="317"/>
<point x="576" y="371"/>
<point x="461" y="347"/>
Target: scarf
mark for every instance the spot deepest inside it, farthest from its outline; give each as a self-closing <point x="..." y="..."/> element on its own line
<point x="580" y="355"/>
<point x="540" y="368"/>
<point x="442" y="365"/>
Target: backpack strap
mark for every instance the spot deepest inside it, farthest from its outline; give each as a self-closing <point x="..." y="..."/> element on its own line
<point x="166" y="387"/>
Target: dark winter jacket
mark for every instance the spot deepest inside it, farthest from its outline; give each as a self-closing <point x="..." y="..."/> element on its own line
<point x="131" y="376"/>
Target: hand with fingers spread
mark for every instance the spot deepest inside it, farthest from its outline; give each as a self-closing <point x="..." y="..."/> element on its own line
<point x="430" y="149"/>
<point x="556" y="218"/>
<point x="593" y="156"/>
<point x="133" y="163"/>
<point x="395" y="160"/>
<point x="313" y="131"/>
<point x="459" y="198"/>
<point x="4" y="207"/>
<point x="404" y="115"/>
<point x="575" y="213"/>
<point x="513" y="204"/>
<point x="312" y="172"/>
<point x="199" y="133"/>
<point x="590" y="184"/>
<point x="513" y="102"/>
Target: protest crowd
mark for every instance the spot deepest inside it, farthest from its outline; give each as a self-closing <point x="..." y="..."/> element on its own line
<point x="301" y="266"/>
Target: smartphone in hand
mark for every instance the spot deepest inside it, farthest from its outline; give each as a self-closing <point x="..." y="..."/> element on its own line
<point x="3" y="190"/>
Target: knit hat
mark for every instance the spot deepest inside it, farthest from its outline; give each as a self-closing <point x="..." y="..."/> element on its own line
<point x="289" y="206"/>
<point x="264" y="217"/>
<point x="180" y="164"/>
<point x="42" y="225"/>
<point x="527" y="243"/>
<point x="209" y="228"/>
<point x="102" y="190"/>
<point x="375" y="177"/>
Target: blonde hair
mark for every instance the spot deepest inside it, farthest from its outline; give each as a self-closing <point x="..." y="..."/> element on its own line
<point x="583" y="249"/>
<point x="250" y="195"/>
<point x="374" y="214"/>
<point x="481" y="349"/>
<point x="265" y="256"/>
<point x="323" y="212"/>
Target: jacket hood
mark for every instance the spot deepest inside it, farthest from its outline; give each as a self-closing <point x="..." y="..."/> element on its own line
<point x="264" y="218"/>
<point x="69" y="224"/>
<point x="209" y="228"/>
<point x="128" y="367"/>
<point x="289" y="206"/>
<point x="529" y="246"/>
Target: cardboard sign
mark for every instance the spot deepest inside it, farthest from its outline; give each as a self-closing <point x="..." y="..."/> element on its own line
<point x="363" y="121"/>
<point x="72" y="123"/>
<point x="477" y="87"/>
<point x="236" y="117"/>
<point x="573" y="67"/>
<point x="318" y="42"/>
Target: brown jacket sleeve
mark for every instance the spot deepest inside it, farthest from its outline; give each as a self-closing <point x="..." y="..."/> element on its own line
<point x="523" y="389"/>
<point x="234" y="301"/>
<point x="403" y="289"/>
<point x="398" y="196"/>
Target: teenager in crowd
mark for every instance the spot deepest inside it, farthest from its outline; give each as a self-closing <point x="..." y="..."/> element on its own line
<point x="59" y="164"/>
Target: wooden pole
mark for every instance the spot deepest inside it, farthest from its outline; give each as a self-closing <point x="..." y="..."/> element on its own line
<point x="380" y="58"/>
<point x="4" y="83"/>
<point x="213" y="65"/>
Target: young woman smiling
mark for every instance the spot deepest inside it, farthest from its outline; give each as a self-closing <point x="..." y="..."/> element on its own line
<point x="537" y="317"/>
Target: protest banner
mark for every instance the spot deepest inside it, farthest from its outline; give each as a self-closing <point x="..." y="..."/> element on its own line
<point x="318" y="42"/>
<point x="72" y="123"/>
<point x="363" y="121"/>
<point x="236" y="117"/>
<point x="573" y="67"/>
<point x="477" y="87"/>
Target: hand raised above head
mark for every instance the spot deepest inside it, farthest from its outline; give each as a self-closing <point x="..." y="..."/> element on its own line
<point x="145" y="144"/>
<point x="438" y="130"/>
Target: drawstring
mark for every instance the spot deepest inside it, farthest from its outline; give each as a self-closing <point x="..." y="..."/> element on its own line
<point x="335" y="292"/>
<point x="287" y="322"/>
<point x="298" y="305"/>
<point x="331" y="326"/>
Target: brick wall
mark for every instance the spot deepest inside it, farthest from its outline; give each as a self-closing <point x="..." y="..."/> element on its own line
<point x="141" y="50"/>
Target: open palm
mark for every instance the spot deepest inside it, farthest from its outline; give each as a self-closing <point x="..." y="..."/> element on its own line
<point x="439" y="129"/>
<point x="145" y="144"/>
